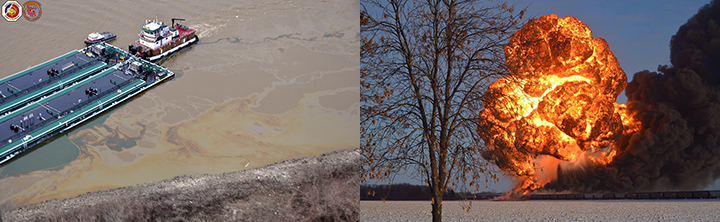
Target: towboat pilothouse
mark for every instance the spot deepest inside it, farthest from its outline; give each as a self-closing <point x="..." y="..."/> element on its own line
<point x="158" y="40"/>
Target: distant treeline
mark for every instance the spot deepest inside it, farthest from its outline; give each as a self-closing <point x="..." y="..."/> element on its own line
<point x="406" y="191"/>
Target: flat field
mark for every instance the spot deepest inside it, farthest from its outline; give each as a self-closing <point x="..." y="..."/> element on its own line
<point x="539" y="210"/>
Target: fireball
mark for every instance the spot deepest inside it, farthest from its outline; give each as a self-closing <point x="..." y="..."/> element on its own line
<point x="558" y="101"/>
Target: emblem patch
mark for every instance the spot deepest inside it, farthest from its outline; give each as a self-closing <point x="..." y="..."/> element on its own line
<point x="12" y="11"/>
<point x="32" y="10"/>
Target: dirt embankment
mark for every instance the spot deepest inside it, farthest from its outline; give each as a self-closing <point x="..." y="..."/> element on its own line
<point x="322" y="188"/>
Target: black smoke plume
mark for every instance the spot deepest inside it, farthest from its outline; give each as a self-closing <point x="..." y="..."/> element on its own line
<point x="678" y="145"/>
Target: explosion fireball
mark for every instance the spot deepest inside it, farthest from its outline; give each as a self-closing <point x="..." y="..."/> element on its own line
<point x="558" y="103"/>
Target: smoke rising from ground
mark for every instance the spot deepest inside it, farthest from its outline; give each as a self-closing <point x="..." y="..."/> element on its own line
<point x="678" y="144"/>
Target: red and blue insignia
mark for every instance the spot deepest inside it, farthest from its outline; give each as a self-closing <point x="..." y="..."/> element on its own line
<point x="32" y="10"/>
<point x="12" y="11"/>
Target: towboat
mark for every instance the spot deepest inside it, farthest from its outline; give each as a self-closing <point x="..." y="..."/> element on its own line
<point x="158" y="40"/>
<point x="99" y="37"/>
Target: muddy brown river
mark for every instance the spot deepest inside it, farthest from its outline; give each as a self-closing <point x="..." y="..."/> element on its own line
<point x="268" y="81"/>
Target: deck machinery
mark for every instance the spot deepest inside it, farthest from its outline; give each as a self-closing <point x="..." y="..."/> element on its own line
<point x="55" y="96"/>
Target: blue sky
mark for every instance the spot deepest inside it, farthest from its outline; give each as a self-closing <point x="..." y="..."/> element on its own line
<point x="638" y="33"/>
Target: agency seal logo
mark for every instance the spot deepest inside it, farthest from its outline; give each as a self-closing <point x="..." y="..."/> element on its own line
<point x="32" y="10"/>
<point x="12" y="11"/>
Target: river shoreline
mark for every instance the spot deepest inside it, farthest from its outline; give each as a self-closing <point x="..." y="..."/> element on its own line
<point x="314" y="188"/>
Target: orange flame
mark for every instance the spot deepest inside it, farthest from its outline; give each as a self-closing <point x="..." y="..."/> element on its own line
<point x="559" y="101"/>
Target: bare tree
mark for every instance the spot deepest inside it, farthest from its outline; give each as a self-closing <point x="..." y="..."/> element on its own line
<point x="424" y="67"/>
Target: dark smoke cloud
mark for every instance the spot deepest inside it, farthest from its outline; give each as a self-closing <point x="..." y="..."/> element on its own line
<point x="678" y="146"/>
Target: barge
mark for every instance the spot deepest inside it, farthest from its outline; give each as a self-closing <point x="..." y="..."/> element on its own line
<point x="55" y="96"/>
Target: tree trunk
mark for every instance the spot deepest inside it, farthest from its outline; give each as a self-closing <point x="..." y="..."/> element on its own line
<point x="437" y="206"/>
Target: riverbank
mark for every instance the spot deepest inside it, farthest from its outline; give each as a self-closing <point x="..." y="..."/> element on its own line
<point x="318" y="188"/>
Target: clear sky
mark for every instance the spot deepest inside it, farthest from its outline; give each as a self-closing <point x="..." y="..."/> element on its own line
<point x="638" y="33"/>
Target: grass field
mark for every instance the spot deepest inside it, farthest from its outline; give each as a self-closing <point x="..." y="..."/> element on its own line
<point x="581" y="210"/>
